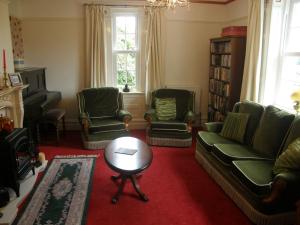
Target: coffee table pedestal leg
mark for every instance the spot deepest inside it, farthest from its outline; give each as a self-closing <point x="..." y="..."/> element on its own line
<point x="138" y="189"/>
<point x="121" y="187"/>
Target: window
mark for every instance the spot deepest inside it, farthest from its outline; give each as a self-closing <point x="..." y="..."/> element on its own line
<point x="283" y="61"/>
<point x="126" y="50"/>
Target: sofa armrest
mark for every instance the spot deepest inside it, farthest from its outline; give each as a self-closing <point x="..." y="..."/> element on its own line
<point x="215" y="127"/>
<point x="124" y="116"/>
<point x="150" y="116"/>
<point x="285" y="185"/>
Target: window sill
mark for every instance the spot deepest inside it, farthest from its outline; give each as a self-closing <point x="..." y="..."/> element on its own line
<point x="133" y="93"/>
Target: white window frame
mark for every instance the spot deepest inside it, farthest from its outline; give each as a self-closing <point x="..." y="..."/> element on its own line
<point x="284" y="53"/>
<point x="138" y="73"/>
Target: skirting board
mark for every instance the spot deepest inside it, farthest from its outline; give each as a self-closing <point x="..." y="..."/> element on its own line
<point x="135" y="124"/>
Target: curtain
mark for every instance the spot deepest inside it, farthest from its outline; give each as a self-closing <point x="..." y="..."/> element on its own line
<point x="252" y="67"/>
<point x="95" y="46"/>
<point x="154" y="52"/>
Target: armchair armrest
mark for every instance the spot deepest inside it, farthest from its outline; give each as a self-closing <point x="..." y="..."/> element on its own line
<point x="124" y="116"/>
<point x="215" y="127"/>
<point x="150" y="116"/>
<point x="189" y="119"/>
<point x="84" y="121"/>
<point x="292" y="178"/>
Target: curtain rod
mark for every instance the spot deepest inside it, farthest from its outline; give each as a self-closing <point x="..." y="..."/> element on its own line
<point x="111" y="5"/>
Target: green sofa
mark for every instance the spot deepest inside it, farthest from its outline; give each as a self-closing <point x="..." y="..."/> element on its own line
<point x="244" y="170"/>
<point x="101" y="116"/>
<point x="177" y="132"/>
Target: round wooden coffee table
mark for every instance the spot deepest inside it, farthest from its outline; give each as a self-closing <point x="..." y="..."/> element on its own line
<point x="128" y="156"/>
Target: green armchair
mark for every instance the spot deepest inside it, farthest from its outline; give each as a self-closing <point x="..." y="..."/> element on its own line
<point x="175" y="132"/>
<point x="101" y="116"/>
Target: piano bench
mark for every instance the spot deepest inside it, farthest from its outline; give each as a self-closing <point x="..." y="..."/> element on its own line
<point x="54" y="117"/>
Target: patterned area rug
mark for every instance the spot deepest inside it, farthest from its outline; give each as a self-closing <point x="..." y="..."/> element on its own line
<point x="62" y="196"/>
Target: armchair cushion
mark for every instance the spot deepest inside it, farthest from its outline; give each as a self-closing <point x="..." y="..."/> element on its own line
<point x="99" y="125"/>
<point x="165" y="108"/>
<point x="96" y="103"/>
<point x="169" y="126"/>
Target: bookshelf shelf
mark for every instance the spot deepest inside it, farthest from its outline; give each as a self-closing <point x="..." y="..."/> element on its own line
<point x="225" y="75"/>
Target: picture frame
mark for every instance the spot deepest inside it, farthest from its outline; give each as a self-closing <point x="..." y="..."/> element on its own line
<point x="15" y="79"/>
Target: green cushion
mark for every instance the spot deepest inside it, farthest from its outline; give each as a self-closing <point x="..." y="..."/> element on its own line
<point x="184" y="100"/>
<point x="99" y="125"/>
<point x="169" y="134"/>
<point x="176" y="126"/>
<point x="100" y="102"/>
<point x="294" y="132"/>
<point x="255" y="174"/>
<point x="229" y="152"/>
<point x="235" y="126"/>
<point x="165" y="108"/>
<point x="208" y="139"/>
<point x="272" y="129"/>
<point x="102" y="136"/>
<point x="289" y="159"/>
<point x="255" y="112"/>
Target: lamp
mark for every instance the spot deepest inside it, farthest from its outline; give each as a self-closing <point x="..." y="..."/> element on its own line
<point x="168" y="3"/>
<point x="296" y="98"/>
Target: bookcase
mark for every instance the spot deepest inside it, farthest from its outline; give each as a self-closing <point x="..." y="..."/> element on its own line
<point x="225" y="75"/>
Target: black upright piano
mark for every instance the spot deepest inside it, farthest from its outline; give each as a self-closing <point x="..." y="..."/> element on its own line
<point x="37" y="99"/>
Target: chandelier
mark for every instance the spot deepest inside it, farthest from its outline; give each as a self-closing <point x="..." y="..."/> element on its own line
<point x="168" y="3"/>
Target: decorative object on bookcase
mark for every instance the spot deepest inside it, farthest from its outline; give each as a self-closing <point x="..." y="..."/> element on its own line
<point x="296" y="99"/>
<point x="225" y="75"/>
<point x="234" y="31"/>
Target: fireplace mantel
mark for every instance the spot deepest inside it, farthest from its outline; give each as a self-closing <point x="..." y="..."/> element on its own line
<point x="12" y="101"/>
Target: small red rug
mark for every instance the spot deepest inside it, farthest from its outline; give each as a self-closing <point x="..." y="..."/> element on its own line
<point x="180" y="192"/>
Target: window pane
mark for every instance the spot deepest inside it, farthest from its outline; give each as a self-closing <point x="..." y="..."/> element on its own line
<point x="295" y="22"/>
<point x="120" y="42"/>
<point x="294" y="40"/>
<point x="131" y="78"/>
<point x="121" y="61"/>
<point x="131" y="64"/>
<point x="120" y="24"/>
<point x="130" y="42"/>
<point x="122" y="77"/>
<point x="290" y="81"/>
<point x="130" y="25"/>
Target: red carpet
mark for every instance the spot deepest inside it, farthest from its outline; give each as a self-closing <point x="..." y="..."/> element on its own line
<point x="179" y="190"/>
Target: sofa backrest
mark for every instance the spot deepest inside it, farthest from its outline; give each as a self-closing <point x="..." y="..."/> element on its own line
<point x="184" y="100"/>
<point x="271" y="131"/>
<point x="100" y="102"/>
<point x="293" y="133"/>
<point x="255" y="112"/>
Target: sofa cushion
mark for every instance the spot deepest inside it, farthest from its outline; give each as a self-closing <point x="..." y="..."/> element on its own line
<point x="165" y="108"/>
<point x="95" y="102"/>
<point x="229" y="152"/>
<point x="100" y="126"/>
<point x="254" y="174"/>
<point x="289" y="159"/>
<point x="294" y="132"/>
<point x="173" y="125"/>
<point x="208" y="139"/>
<point x="234" y="126"/>
<point x="271" y="131"/>
<point x="255" y="112"/>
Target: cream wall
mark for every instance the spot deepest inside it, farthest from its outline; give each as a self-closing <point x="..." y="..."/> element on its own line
<point x="54" y="38"/>
<point x="5" y="38"/>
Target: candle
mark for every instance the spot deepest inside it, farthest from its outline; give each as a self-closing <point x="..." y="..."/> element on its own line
<point x="4" y="60"/>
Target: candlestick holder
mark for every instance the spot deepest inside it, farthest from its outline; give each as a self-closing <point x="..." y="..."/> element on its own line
<point x="5" y="80"/>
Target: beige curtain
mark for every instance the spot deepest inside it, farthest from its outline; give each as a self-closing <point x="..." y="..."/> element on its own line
<point x="95" y="46"/>
<point x="154" y="51"/>
<point x="252" y="67"/>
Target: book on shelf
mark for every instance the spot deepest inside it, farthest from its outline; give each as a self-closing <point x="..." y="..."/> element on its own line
<point x="220" y="47"/>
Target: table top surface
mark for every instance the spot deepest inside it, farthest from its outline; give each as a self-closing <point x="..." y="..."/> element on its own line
<point x="125" y="163"/>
